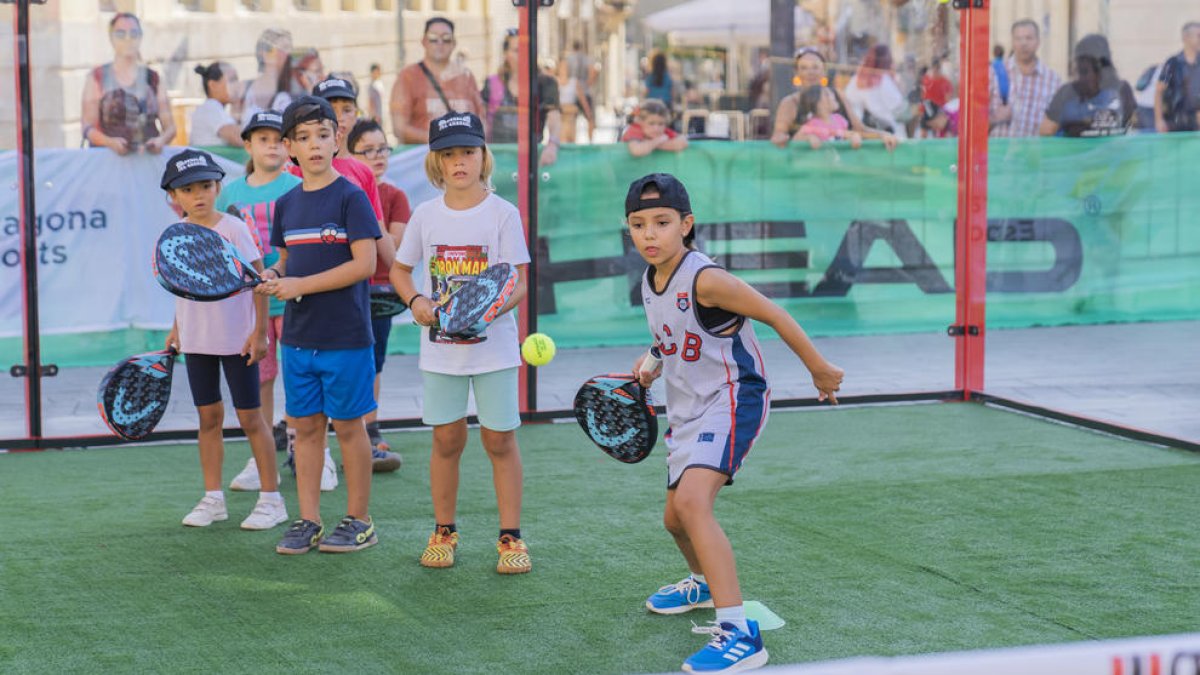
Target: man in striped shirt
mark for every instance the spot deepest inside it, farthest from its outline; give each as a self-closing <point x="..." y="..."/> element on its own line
<point x="1031" y="86"/>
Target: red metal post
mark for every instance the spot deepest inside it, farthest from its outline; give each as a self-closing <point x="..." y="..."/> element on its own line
<point x="527" y="176"/>
<point x="970" y="255"/>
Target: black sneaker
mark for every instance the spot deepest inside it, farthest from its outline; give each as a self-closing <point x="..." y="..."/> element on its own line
<point x="301" y="537"/>
<point x="350" y="535"/>
<point x="281" y="436"/>
<point x="383" y="461"/>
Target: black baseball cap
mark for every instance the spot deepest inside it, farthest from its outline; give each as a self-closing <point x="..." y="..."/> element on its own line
<point x="456" y="130"/>
<point x="306" y="109"/>
<point x="263" y="119"/>
<point x="671" y="194"/>
<point x="335" y="87"/>
<point x="190" y="166"/>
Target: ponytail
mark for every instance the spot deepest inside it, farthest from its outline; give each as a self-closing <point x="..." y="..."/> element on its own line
<point x="213" y="72"/>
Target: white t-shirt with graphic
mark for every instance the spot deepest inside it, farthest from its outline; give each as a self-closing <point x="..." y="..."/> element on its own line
<point x="220" y="328"/>
<point x="446" y="247"/>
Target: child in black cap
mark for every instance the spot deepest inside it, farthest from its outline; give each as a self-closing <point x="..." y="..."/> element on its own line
<point x="325" y="231"/>
<point x="252" y="197"/>
<point x="451" y="240"/>
<point x="717" y="402"/>
<point x="229" y="335"/>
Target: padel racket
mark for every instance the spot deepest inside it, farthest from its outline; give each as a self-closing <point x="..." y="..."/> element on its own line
<point x="385" y="301"/>
<point x="615" y="414"/>
<point x="133" y="395"/>
<point x="478" y="302"/>
<point x="194" y="262"/>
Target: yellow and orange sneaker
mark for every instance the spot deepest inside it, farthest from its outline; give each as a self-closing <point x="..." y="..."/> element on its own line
<point x="514" y="556"/>
<point x="439" y="552"/>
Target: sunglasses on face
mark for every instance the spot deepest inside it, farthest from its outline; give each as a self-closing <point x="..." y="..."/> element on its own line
<point x="434" y="40"/>
<point x="131" y="34"/>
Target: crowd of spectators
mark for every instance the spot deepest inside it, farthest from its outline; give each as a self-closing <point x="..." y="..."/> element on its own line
<point x="126" y="108"/>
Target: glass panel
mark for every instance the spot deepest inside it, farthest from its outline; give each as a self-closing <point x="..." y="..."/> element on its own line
<point x="1093" y="259"/>
<point x="857" y="244"/>
<point x="101" y="211"/>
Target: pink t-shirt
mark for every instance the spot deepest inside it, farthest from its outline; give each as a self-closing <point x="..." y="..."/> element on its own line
<point x="826" y="130"/>
<point x="220" y="328"/>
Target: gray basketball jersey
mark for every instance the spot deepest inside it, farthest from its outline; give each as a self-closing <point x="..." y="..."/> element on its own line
<point x="716" y="384"/>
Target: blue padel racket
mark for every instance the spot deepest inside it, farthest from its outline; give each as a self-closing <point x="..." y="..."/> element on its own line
<point x="615" y="413"/>
<point x="478" y="302"/>
<point x="194" y="262"/>
<point x="133" y="395"/>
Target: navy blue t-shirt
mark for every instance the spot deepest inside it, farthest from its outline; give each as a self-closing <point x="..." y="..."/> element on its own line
<point x="317" y="229"/>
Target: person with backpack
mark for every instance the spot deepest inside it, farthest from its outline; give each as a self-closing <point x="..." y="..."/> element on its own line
<point x="125" y="106"/>
<point x="1177" y="95"/>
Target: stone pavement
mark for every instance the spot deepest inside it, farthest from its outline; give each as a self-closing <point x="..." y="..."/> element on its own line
<point x="1140" y="375"/>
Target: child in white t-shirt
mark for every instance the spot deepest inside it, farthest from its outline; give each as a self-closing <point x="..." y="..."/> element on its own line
<point x="451" y="240"/>
<point x="227" y="336"/>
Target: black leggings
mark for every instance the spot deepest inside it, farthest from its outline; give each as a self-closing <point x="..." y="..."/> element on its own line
<point x="204" y="379"/>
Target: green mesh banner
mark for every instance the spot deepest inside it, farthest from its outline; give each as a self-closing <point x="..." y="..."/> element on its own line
<point x="856" y="242"/>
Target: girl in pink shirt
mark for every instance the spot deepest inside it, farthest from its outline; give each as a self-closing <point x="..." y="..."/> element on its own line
<point x="817" y="104"/>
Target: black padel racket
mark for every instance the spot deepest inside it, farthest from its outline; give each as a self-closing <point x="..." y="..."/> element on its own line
<point x="194" y="262"/>
<point x="478" y="302"/>
<point x="385" y="301"/>
<point x="133" y="395"/>
<point x="614" y="413"/>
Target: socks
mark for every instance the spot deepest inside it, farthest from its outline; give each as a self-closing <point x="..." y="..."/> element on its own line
<point x="215" y="494"/>
<point x="449" y="529"/>
<point x="699" y="577"/>
<point x="273" y="497"/>
<point x="735" y="615"/>
<point x="515" y="534"/>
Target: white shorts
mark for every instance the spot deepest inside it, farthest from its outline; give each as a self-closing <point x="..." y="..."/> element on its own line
<point x="720" y="440"/>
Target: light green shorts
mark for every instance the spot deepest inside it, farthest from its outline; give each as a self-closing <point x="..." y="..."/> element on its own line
<point x="495" y="398"/>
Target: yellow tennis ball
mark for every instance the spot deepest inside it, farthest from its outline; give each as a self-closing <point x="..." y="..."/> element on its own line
<point x="537" y="349"/>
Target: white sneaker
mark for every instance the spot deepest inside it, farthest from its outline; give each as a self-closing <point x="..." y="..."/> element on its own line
<point x="207" y="512"/>
<point x="329" y="479"/>
<point x="248" y="480"/>
<point x="266" y="514"/>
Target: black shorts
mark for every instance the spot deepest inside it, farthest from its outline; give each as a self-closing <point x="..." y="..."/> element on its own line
<point x="204" y="379"/>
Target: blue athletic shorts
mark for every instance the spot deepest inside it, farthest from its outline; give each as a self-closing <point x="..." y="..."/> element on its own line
<point x="495" y="398"/>
<point x="382" y="328"/>
<point x="204" y="379"/>
<point x="336" y="382"/>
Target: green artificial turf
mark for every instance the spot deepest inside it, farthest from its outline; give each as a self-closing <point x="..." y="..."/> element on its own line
<point x="884" y="530"/>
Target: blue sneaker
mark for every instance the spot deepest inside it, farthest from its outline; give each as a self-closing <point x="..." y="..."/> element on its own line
<point x="682" y="597"/>
<point x="731" y="650"/>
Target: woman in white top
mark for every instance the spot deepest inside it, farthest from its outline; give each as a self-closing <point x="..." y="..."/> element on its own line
<point x="874" y="95"/>
<point x="211" y="122"/>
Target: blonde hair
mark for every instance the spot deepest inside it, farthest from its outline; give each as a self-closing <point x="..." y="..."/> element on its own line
<point x="433" y="168"/>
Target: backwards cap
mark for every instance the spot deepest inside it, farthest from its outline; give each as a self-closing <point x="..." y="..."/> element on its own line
<point x="671" y="194"/>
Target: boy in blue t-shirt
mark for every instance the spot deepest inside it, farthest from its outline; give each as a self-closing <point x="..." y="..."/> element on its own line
<point x="325" y="232"/>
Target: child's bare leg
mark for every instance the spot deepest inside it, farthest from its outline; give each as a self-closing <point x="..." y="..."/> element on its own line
<point x="310" y="458"/>
<point x="693" y="505"/>
<point x="356" y="458"/>
<point x="449" y="440"/>
<point x="675" y="526"/>
<point x="507" y="474"/>
<point x="211" y="444"/>
<point x="374" y="414"/>
<point x="266" y="394"/>
<point x="262" y="445"/>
